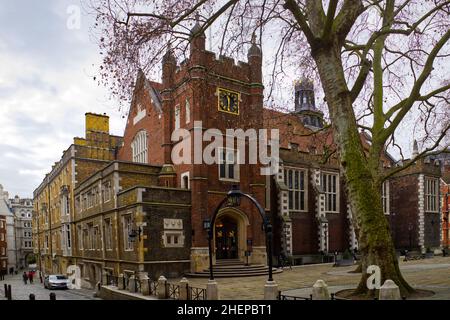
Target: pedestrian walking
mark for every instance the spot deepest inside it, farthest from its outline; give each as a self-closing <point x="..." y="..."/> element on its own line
<point x="30" y="276"/>
<point x="25" y="277"/>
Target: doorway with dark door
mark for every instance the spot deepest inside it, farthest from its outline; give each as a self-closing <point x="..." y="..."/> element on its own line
<point x="226" y="238"/>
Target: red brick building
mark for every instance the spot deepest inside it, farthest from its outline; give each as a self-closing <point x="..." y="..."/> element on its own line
<point x="147" y="212"/>
<point x="305" y="199"/>
<point x="445" y="192"/>
<point x="3" y="246"/>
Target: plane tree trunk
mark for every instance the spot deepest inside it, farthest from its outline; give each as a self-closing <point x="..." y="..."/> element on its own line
<point x="361" y="173"/>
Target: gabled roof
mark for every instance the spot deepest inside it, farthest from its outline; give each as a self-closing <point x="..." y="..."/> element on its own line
<point x="152" y="88"/>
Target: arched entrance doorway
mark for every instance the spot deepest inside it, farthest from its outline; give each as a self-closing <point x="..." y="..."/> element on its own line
<point x="230" y="234"/>
<point x="227" y="246"/>
<point x="30" y="259"/>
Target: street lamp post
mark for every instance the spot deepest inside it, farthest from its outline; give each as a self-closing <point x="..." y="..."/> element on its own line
<point x="233" y="199"/>
<point x="410" y="228"/>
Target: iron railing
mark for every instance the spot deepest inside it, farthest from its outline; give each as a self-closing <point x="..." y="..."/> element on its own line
<point x="172" y="291"/>
<point x="196" y="293"/>
<point x="334" y="297"/>
<point x="152" y="287"/>
<point x="288" y="297"/>
<point x="137" y="285"/>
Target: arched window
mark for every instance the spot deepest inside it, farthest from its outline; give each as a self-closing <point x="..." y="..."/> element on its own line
<point x="188" y="111"/>
<point x="139" y="147"/>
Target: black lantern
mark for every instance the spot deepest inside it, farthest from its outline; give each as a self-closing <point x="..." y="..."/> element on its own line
<point x="234" y="197"/>
<point x="135" y="233"/>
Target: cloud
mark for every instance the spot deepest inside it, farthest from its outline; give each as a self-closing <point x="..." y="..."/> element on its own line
<point x="46" y="87"/>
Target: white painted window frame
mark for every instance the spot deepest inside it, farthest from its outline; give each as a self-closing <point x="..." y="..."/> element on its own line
<point x="299" y="190"/>
<point x="328" y="193"/>
<point x="236" y="166"/>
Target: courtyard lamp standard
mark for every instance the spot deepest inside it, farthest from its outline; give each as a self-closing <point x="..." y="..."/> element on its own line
<point x="233" y="199"/>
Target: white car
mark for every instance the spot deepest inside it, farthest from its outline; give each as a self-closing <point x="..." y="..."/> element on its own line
<point x="56" y="281"/>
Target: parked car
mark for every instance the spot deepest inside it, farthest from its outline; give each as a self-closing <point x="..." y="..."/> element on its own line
<point x="56" y="281"/>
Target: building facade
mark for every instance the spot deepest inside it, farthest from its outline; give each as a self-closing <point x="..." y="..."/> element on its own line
<point x="54" y="198"/>
<point x="147" y="211"/>
<point x="3" y="246"/>
<point x="22" y="211"/>
<point x="445" y="193"/>
<point x="6" y="212"/>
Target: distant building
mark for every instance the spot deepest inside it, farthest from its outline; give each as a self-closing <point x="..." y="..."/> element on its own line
<point x="445" y="193"/>
<point x="3" y="246"/>
<point x="5" y="211"/>
<point x="54" y="198"/>
<point x="22" y="210"/>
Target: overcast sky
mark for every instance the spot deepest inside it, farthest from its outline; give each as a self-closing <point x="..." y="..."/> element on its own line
<point x="46" y="87"/>
<point x="47" y="84"/>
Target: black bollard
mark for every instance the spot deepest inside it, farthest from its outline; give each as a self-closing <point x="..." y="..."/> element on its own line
<point x="52" y="296"/>
<point x="6" y="290"/>
<point x="9" y="292"/>
<point x="32" y="296"/>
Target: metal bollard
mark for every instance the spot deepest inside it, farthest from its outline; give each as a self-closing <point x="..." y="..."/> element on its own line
<point x="9" y="292"/>
<point x="52" y="296"/>
<point x="32" y="296"/>
<point x="6" y="290"/>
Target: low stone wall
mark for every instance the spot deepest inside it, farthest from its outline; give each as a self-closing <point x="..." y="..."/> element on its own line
<point x="113" y="293"/>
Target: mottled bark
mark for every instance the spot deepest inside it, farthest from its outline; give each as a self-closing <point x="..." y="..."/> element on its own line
<point x="363" y="183"/>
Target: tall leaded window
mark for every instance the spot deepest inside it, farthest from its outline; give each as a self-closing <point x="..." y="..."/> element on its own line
<point x="295" y="180"/>
<point x="385" y="196"/>
<point x="331" y="189"/>
<point x="228" y="167"/>
<point x="108" y="234"/>
<point x="65" y="204"/>
<point x="127" y="227"/>
<point x="106" y="191"/>
<point x="431" y="195"/>
<point x="139" y="147"/>
<point x="177" y="117"/>
<point x="188" y="111"/>
<point x="96" y="240"/>
<point x="90" y="244"/>
<point x="80" y="237"/>
<point x="68" y="242"/>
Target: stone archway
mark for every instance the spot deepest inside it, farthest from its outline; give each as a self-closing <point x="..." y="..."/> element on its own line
<point x="230" y="220"/>
<point x="30" y="259"/>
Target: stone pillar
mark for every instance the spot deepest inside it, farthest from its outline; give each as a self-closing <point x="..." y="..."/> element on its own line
<point x="132" y="283"/>
<point x="162" y="289"/>
<point x="212" y="290"/>
<point x="389" y="291"/>
<point x="98" y="288"/>
<point x="184" y="289"/>
<point x="120" y="282"/>
<point x="320" y="291"/>
<point x="104" y="279"/>
<point x="271" y="290"/>
<point x="145" y="285"/>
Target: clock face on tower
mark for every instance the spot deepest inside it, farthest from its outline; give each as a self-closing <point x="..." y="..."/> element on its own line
<point x="228" y="101"/>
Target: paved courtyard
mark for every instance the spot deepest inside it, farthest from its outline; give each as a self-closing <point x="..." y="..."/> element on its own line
<point x="431" y="274"/>
<point x="20" y="291"/>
